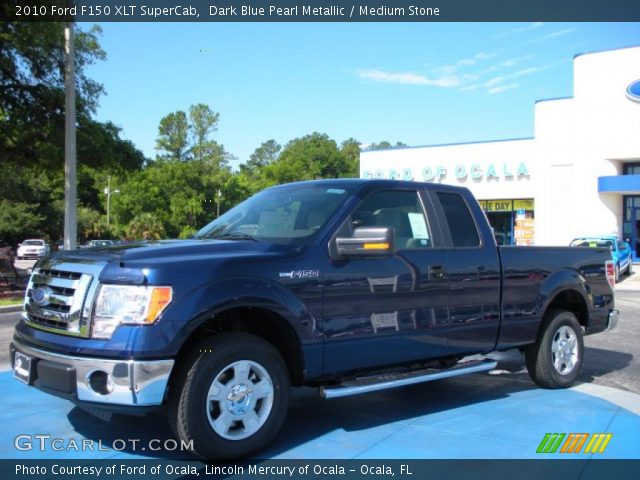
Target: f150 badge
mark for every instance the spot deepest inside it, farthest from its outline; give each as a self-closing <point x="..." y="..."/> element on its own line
<point x="300" y="274"/>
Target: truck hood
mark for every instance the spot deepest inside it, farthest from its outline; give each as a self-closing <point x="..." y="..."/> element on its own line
<point x="151" y="250"/>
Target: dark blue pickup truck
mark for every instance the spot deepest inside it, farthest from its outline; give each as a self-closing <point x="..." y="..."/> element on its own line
<point x="351" y="286"/>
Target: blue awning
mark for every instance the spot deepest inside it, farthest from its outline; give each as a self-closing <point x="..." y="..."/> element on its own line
<point x="629" y="184"/>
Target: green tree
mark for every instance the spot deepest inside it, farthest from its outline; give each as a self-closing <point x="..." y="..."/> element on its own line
<point x="173" y="136"/>
<point x="145" y="226"/>
<point x="385" y="145"/>
<point x="265" y="154"/>
<point x="18" y="221"/>
<point x="312" y="156"/>
<point x="203" y="122"/>
<point x="32" y="106"/>
<point x="351" y="150"/>
<point x="32" y="88"/>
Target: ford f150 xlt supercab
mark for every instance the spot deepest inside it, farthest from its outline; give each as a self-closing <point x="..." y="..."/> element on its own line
<point x="348" y="285"/>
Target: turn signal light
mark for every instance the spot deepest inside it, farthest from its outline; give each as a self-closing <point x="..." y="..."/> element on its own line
<point x="160" y="298"/>
<point x="376" y="246"/>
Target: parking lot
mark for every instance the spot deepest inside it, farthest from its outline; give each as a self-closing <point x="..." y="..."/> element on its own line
<point x="497" y="415"/>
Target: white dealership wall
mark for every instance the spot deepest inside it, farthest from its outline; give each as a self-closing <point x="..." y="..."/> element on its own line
<point x="576" y="140"/>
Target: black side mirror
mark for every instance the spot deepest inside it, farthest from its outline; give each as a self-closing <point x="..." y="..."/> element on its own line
<point x="367" y="242"/>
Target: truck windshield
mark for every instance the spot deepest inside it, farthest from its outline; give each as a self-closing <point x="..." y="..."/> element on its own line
<point x="285" y="215"/>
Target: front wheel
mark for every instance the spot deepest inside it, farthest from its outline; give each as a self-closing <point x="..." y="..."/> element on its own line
<point x="230" y="396"/>
<point x="555" y="360"/>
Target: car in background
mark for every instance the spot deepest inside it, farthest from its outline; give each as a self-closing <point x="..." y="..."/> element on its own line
<point x="620" y="251"/>
<point x="33" y="248"/>
<point x="97" y="243"/>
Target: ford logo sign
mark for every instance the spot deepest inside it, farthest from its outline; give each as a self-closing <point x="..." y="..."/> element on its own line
<point x="41" y="295"/>
<point x="633" y="91"/>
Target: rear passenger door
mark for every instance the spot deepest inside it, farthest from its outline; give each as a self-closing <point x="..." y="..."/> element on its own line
<point x="473" y="270"/>
<point x="388" y="310"/>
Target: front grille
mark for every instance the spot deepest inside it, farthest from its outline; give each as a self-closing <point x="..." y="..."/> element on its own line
<point x="56" y="300"/>
<point x="60" y="274"/>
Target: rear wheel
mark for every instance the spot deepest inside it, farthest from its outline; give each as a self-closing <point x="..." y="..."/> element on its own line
<point x="555" y="360"/>
<point x="230" y="396"/>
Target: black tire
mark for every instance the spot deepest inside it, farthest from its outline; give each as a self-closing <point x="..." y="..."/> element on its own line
<point x="630" y="268"/>
<point x="540" y="356"/>
<point x="190" y="413"/>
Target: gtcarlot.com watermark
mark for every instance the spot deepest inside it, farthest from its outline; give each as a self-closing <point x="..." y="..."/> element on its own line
<point x="45" y="442"/>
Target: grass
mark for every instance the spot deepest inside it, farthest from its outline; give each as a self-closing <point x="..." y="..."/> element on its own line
<point x="4" y="302"/>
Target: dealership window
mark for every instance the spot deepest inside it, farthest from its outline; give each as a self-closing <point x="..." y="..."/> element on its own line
<point x="512" y="220"/>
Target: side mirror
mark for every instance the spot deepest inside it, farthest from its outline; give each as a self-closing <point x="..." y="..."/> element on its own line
<point x="367" y="242"/>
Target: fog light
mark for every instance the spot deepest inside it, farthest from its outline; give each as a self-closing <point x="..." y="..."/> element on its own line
<point x="100" y="382"/>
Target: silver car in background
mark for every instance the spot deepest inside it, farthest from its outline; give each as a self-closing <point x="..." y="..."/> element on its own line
<point x="33" y="248"/>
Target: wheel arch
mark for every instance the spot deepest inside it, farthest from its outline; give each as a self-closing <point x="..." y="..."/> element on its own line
<point x="571" y="300"/>
<point x="261" y="321"/>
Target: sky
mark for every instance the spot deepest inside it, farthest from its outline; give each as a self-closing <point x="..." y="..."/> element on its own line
<point x="418" y="83"/>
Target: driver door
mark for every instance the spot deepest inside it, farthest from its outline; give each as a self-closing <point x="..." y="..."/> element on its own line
<point x="391" y="309"/>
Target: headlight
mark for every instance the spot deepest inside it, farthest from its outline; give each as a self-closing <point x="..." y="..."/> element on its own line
<point x="125" y="304"/>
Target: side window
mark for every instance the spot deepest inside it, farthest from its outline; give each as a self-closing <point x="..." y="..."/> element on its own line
<point x="399" y="209"/>
<point x="461" y="225"/>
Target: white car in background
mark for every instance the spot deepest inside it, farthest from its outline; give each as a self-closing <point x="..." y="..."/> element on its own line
<point x="33" y="248"/>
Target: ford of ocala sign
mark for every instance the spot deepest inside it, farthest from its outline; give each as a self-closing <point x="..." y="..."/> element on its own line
<point x="476" y="172"/>
<point x="633" y="91"/>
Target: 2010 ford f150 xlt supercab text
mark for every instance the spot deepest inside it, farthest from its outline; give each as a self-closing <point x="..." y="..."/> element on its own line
<point x="348" y="285"/>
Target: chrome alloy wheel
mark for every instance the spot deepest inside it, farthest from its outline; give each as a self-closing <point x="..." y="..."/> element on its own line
<point x="239" y="400"/>
<point x="564" y="350"/>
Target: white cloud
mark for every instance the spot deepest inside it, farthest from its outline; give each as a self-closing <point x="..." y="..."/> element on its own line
<point x="548" y="36"/>
<point x="508" y="33"/>
<point x="502" y="88"/>
<point x="512" y="62"/>
<point x="478" y="57"/>
<point x="466" y="75"/>
<point x="408" y="78"/>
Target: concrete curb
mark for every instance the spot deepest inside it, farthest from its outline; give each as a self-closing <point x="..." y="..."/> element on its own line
<point x="11" y="308"/>
<point x="623" y="398"/>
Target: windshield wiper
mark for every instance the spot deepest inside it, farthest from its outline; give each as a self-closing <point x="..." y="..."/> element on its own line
<point x="235" y="236"/>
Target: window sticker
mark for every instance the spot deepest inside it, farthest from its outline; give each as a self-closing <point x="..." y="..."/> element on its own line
<point x="418" y="226"/>
<point x="338" y="191"/>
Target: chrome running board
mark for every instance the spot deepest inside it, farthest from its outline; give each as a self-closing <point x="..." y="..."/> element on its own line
<point x="395" y="380"/>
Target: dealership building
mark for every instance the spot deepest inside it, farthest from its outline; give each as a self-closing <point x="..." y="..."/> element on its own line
<point x="578" y="175"/>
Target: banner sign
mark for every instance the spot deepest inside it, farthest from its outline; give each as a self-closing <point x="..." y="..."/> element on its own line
<point x="319" y="10"/>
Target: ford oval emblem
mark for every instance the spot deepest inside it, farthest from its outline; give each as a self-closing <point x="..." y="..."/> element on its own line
<point x="633" y="91"/>
<point x="41" y="295"/>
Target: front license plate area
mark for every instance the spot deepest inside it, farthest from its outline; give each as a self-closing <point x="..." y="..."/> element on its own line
<point x="22" y="367"/>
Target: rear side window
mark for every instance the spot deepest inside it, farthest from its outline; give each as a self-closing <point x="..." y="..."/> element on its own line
<point x="461" y="225"/>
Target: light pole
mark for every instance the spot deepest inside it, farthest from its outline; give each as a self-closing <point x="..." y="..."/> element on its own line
<point x="108" y="192"/>
<point x="70" y="187"/>
<point x="218" y="196"/>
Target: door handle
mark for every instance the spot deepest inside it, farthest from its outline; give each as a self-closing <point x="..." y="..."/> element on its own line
<point x="436" y="271"/>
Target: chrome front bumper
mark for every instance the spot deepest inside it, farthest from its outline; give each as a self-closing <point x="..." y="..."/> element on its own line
<point x="130" y="382"/>
<point x="612" y="320"/>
